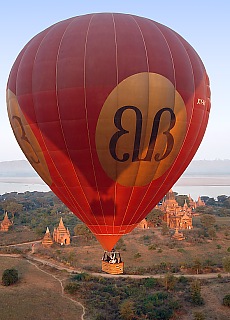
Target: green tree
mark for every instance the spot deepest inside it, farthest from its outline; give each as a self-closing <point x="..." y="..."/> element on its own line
<point x="226" y="300"/>
<point x="72" y="288"/>
<point x="82" y="230"/>
<point x="169" y="281"/>
<point x="127" y="310"/>
<point x="9" y="277"/>
<point x="12" y="207"/>
<point x="226" y="264"/>
<point x="197" y="265"/>
<point x="211" y="202"/>
<point x="212" y="233"/>
<point x="196" y="293"/>
<point x="181" y="200"/>
<point x="207" y="221"/>
<point x="155" y="217"/>
<point x="221" y="199"/>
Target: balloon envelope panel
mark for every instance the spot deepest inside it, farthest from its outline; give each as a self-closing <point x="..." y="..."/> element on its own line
<point x="109" y="109"/>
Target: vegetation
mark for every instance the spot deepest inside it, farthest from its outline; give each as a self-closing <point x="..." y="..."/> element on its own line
<point x="205" y="249"/>
<point x="195" y="290"/>
<point x="129" y="299"/>
<point x="36" y="210"/>
<point x="199" y="316"/>
<point x="9" y="276"/>
<point x="226" y="300"/>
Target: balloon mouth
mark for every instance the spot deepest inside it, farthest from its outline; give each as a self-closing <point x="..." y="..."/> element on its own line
<point x="109" y="235"/>
<point x="108" y="241"/>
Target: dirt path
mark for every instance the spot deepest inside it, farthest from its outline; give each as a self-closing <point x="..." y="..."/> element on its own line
<point x="34" y="263"/>
<point x="62" y="288"/>
<point x="20" y="244"/>
<point x="134" y="276"/>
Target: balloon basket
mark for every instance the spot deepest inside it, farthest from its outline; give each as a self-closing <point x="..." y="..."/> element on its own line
<point x="111" y="263"/>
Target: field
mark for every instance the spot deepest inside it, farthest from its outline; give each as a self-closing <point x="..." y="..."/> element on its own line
<point x="37" y="295"/>
<point x="148" y="251"/>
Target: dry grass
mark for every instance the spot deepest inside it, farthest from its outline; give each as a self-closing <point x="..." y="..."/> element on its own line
<point x="36" y="296"/>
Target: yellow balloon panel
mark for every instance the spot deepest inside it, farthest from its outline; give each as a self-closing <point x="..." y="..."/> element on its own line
<point x="140" y="130"/>
<point x="26" y="138"/>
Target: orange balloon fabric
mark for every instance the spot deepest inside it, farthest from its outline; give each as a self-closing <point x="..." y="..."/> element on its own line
<point x="109" y="109"/>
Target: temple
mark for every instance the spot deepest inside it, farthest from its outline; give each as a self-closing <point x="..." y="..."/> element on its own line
<point x="143" y="224"/>
<point x="5" y="224"/>
<point x="175" y="216"/>
<point x="47" y="240"/>
<point x="61" y="234"/>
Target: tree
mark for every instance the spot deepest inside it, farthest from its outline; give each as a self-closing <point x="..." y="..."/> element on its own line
<point x="155" y="217"/>
<point x="9" y="277"/>
<point x="221" y="198"/>
<point x="196" y="293"/>
<point x="82" y="230"/>
<point x="181" y="200"/>
<point x="226" y="264"/>
<point x="226" y="300"/>
<point x="212" y="233"/>
<point x="211" y="202"/>
<point x="169" y="281"/>
<point x="12" y="207"/>
<point x="204" y="198"/>
<point x="208" y="221"/>
<point x="197" y="265"/>
<point x="127" y="310"/>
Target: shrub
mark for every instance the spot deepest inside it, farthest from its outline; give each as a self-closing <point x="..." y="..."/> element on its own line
<point x="183" y="279"/>
<point x="198" y="316"/>
<point x="100" y="317"/>
<point x="137" y="255"/>
<point x="9" y="277"/>
<point x="196" y="293"/>
<point x="72" y="288"/>
<point x="152" y="247"/>
<point x="127" y="310"/>
<point x="150" y="282"/>
<point x="226" y="300"/>
<point x="81" y="277"/>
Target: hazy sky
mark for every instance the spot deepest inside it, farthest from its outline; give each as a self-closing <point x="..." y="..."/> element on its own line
<point x="205" y="24"/>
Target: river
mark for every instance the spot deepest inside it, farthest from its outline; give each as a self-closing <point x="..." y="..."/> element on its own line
<point x="196" y="186"/>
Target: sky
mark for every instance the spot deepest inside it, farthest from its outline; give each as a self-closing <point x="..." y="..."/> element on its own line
<point x="204" y="24"/>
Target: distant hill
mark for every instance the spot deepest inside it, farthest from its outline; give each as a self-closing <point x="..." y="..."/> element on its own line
<point x="208" y="167"/>
<point x="17" y="168"/>
<point x="22" y="168"/>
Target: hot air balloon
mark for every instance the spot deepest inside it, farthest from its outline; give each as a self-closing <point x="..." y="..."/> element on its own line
<point x="109" y="109"/>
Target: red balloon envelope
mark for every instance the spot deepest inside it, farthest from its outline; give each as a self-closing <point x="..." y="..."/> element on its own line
<point x="109" y="109"/>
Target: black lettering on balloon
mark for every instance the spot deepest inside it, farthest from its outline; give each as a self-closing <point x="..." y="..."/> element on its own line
<point x="136" y="148"/>
<point x="153" y="138"/>
<point x="24" y="138"/>
<point x="122" y="131"/>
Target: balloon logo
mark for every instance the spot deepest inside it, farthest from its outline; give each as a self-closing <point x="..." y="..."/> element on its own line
<point x="138" y="139"/>
<point x="109" y="109"/>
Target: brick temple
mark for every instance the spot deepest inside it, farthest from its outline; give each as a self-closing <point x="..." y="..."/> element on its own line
<point x="5" y="224"/>
<point x="61" y="234"/>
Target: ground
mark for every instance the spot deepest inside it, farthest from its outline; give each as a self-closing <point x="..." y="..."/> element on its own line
<point x="40" y="294"/>
<point x="37" y="295"/>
